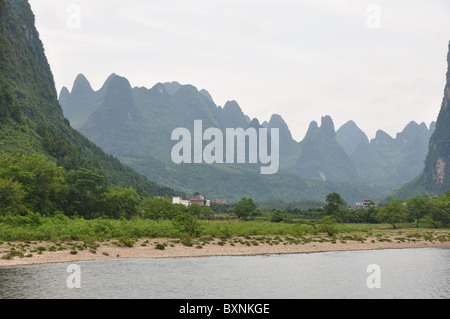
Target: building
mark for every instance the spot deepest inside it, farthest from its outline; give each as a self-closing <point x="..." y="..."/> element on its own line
<point x="366" y="204"/>
<point x="180" y="201"/>
<point x="200" y="201"/>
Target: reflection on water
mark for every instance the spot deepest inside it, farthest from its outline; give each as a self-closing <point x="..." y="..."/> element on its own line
<point x="409" y="273"/>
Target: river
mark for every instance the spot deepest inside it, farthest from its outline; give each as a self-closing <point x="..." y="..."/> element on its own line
<point x="380" y="274"/>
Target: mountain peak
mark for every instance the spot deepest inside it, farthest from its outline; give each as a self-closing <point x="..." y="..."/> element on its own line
<point x="118" y="88"/>
<point x="81" y="85"/>
<point x="255" y="123"/>
<point x="171" y="87"/>
<point x="312" y="129"/>
<point x="232" y="106"/>
<point x="184" y="90"/>
<point x="382" y="138"/>
<point x="325" y="132"/>
<point x="276" y="121"/>
<point x="327" y="126"/>
<point x="159" y="88"/>
<point x="64" y="93"/>
<point x="350" y="124"/>
<point x="350" y="136"/>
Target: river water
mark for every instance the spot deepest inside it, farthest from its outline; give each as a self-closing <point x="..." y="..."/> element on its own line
<point x="383" y="274"/>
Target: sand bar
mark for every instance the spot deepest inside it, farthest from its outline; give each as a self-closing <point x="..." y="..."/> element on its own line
<point x="147" y="248"/>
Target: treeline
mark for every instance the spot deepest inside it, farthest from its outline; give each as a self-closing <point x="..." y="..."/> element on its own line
<point x="33" y="184"/>
<point x="432" y="211"/>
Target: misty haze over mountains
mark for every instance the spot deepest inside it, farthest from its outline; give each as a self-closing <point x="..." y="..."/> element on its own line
<point x="135" y="124"/>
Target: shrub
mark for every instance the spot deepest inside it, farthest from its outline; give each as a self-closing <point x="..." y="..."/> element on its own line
<point x="328" y="225"/>
<point x="160" y="246"/>
<point x="186" y="240"/>
<point x="126" y="242"/>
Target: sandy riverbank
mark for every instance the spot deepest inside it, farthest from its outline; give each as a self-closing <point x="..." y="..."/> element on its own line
<point x="146" y="248"/>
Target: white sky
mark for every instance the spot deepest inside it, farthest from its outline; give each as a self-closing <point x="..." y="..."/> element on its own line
<point x="302" y="59"/>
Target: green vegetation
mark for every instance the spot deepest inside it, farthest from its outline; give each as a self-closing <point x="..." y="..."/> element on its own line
<point x="246" y="209"/>
<point x="334" y="204"/>
<point x="41" y="201"/>
<point x="31" y="119"/>
<point x="56" y="185"/>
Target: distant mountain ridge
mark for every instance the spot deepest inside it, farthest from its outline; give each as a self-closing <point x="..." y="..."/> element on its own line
<point x="385" y="160"/>
<point x="167" y="106"/>
<point x="143" y="141"/>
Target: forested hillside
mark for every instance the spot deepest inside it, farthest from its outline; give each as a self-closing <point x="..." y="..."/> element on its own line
<point x="31" y="117"/>
<point x="436" y="175"/>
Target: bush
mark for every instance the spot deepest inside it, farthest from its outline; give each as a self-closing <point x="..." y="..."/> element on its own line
<point x="160" y="246"/>
<point x="186" y="240"/>
<point x="186" y="223"/>
<point x="123" y="241"/>
<point x="328" y="225"/>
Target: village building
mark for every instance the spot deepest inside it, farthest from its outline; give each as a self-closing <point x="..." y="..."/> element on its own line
<point x="180" y="201"/>
<point x="198" y="199"/>
<point x="366" y="204"/>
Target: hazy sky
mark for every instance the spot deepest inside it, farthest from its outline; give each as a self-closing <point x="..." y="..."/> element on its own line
<point x="379" y="63"/>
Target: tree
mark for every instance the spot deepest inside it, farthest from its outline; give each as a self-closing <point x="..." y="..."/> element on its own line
<point x="187" y="224"/>
<point x="334" y="204"/>
<point x="206" y="212"/>
<point x="194" y="210"/>
<point x="440" y="212"/>
<point x="246" y="209"/>
<point x="11" y="198"/>
<point x="328" y="225"/>
<point x="86" y="191"/>
<point x="41" y="180"/>
<point x="370" y="215"/>
<point x="393" y="213"/>
<point x="120" y="203"/>
<point x="418" y="208"/>
<point x="159" y="208"/>
<point x="277" y="216"/>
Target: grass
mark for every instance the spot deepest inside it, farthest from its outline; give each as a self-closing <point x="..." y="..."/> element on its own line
<point x="254" y="232"/>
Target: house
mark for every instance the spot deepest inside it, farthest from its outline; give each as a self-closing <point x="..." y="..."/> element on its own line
<point x="200" y="201"/>
<point x="221" y="201"/>
<point x="366" y="204"/>
<point x="180" y="201"/>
